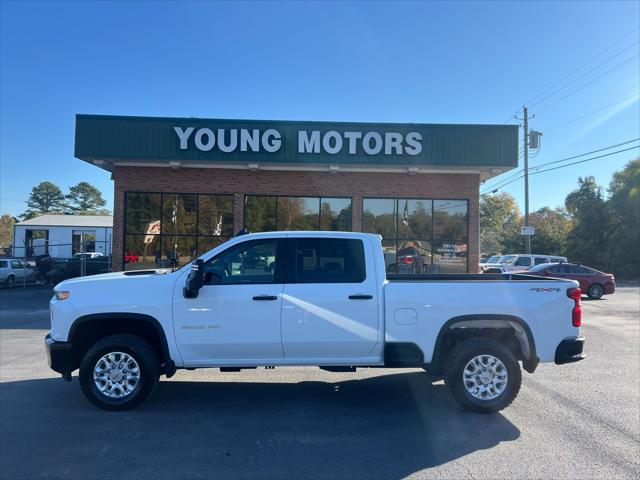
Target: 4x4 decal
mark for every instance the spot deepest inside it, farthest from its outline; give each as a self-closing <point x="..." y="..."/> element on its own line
<point x="541" y="289"/>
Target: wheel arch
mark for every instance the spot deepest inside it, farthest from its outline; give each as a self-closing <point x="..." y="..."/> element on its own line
<point x="520" y="329"/>
<point x="87" y="329"/>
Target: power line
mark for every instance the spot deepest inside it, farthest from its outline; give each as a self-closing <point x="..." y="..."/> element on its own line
<point x="508" y="180"/>
<point x="568" y="165"/>
<point x="584" y="74"/>
<point x="555" y="127"/>
<point x="588" y="83"/>
<point x="499" y="184"/>
<point x="585" y="160"/>
<point x="588" y="153"/>
<point x="584" y="64"/>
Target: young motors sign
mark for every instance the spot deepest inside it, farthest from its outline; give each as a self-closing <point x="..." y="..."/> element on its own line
<point x="332" y="142"/>
<point x="108" y="140"/>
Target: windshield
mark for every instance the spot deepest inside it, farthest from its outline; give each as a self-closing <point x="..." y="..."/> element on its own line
<point x="493" y="259"/>
<point x="508" y="259"/>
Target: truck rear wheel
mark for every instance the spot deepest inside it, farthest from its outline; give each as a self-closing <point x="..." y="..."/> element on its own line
<point x="483" y="375"/>
<point x="119" y="372"/>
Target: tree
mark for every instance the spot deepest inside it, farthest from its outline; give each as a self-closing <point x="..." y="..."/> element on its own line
<point x="44" y="198"/>
<point x="6" y="231"/>
<point x="624" y="200"/>
<point x="552" y="229"/>
<point x="499" y="223"/>
<point x="593" y="224"/>
<point x="84" y="198"/>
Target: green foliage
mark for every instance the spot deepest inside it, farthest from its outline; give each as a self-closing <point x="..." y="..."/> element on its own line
<point x="44" y="198"/>
<point x="6" y="230"/>
<point x="601" y="232"/>
<point x="499" y="224"/>
<point x="47" y="198"/>
<point x="84" y="199"/>
<point x="624" y="199"/>
<point x="552" y="229"/>
<point x="589" y="239"/>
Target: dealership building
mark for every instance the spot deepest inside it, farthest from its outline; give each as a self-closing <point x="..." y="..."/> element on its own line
<point x="185" y="185"/>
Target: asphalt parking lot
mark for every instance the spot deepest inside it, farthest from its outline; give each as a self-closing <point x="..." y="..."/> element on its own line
<point x="580" y="420"/>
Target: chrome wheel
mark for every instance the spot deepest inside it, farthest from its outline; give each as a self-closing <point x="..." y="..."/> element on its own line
<point x="116" y="375"/>
<point x="485" y="377"/>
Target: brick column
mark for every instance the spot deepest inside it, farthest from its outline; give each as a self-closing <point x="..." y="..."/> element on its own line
<point x="356" y="213"/>
<point x="117" y="237"/>
<point x="238" y="212"/>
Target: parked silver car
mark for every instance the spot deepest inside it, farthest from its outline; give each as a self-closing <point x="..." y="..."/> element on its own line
<point x="15" y="271"/>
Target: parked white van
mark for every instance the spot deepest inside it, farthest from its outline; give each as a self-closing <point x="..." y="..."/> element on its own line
<point x="519" y="262"/>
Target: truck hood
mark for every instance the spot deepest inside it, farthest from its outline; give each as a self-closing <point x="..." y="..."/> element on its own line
<point x="114" y="276"/>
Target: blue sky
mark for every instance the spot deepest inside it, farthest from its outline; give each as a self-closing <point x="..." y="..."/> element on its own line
<point x="425" y="62"/>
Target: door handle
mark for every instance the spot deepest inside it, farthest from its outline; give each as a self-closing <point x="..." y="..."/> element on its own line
<point x="360" y="297"/>
<point x="265" y="297"/>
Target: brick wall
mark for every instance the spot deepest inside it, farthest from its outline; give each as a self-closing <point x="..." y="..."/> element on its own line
<point x="340" y="184"/>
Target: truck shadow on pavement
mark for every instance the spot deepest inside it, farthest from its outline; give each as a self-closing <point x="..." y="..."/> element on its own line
<point x="387" y="426"/>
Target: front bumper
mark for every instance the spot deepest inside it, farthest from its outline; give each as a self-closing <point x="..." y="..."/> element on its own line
<point x="570" y="350"/>
<point x="59" y="356"/>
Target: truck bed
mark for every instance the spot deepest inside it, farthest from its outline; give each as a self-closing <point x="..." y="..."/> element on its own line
<point x="462" y="277"/>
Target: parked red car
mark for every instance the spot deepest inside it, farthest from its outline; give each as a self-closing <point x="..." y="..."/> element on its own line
<point x="130" y="257"/>
<point x="592" y="282"/>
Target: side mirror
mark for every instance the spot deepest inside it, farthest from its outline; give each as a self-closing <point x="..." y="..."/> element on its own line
<point x="195" y="280"/>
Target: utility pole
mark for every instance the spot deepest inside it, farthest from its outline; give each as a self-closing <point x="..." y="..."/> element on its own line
<point x="526" y="119"/>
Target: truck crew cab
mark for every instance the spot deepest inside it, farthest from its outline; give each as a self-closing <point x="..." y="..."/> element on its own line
<point x="309" y="299"/>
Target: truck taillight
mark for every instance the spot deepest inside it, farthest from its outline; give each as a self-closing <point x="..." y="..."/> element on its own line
<point x="576" y="314"/>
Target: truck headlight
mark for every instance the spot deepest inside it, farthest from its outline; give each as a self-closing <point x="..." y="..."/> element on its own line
<point x="61" y="294"/>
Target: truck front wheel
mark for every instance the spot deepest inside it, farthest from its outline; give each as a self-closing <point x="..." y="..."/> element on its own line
<point x="119" y="372"/>
<point x="483" y="375"/>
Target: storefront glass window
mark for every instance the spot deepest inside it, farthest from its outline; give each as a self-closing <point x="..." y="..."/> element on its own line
<point x="215" y="215"/>
<point x="142" y="212"/>
<point x="451" y="235"/>
<point x="141" y="252"/>
<point x="298" y="213"/>
<point x="266" y="213"/>
<point x="431" y="235"/>
<point x="179" y="214"/>
<point x="169" y="230"/>
<point x="260" y="213"/>
<point x="335" y="214"/>
<point x="177" y="250"/>
<point x="379" y="216"/>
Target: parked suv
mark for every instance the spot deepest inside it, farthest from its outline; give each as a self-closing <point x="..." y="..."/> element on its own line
<point x="520" y="262"/>
<point x="593" y="282"/>
<point x="13" y="270"/>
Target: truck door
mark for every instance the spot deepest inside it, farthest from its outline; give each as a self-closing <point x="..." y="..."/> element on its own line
<point x="236" y="315"/>
<point x="330" y="300"/>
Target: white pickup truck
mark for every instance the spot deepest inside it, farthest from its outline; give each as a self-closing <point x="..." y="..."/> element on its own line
<point x="313" y="299"/>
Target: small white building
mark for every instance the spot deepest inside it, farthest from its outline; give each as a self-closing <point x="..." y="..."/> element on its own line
<point x="63" y="236"/>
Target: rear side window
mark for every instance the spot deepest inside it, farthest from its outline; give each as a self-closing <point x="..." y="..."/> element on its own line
<point x="580" y="270"/>
<point x="562" y="268"/>
<point x="523" y="262"/>
<point x="4" y="264"/>
<point x="540" y="260"/>
<point x="329" y="260"/>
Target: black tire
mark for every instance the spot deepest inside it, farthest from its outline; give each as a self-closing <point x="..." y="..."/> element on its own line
<point x="595" y="291"/>
<point x="10" y="281"/>
<point x="457" y="360"/>
<point x="146" y="358"/>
